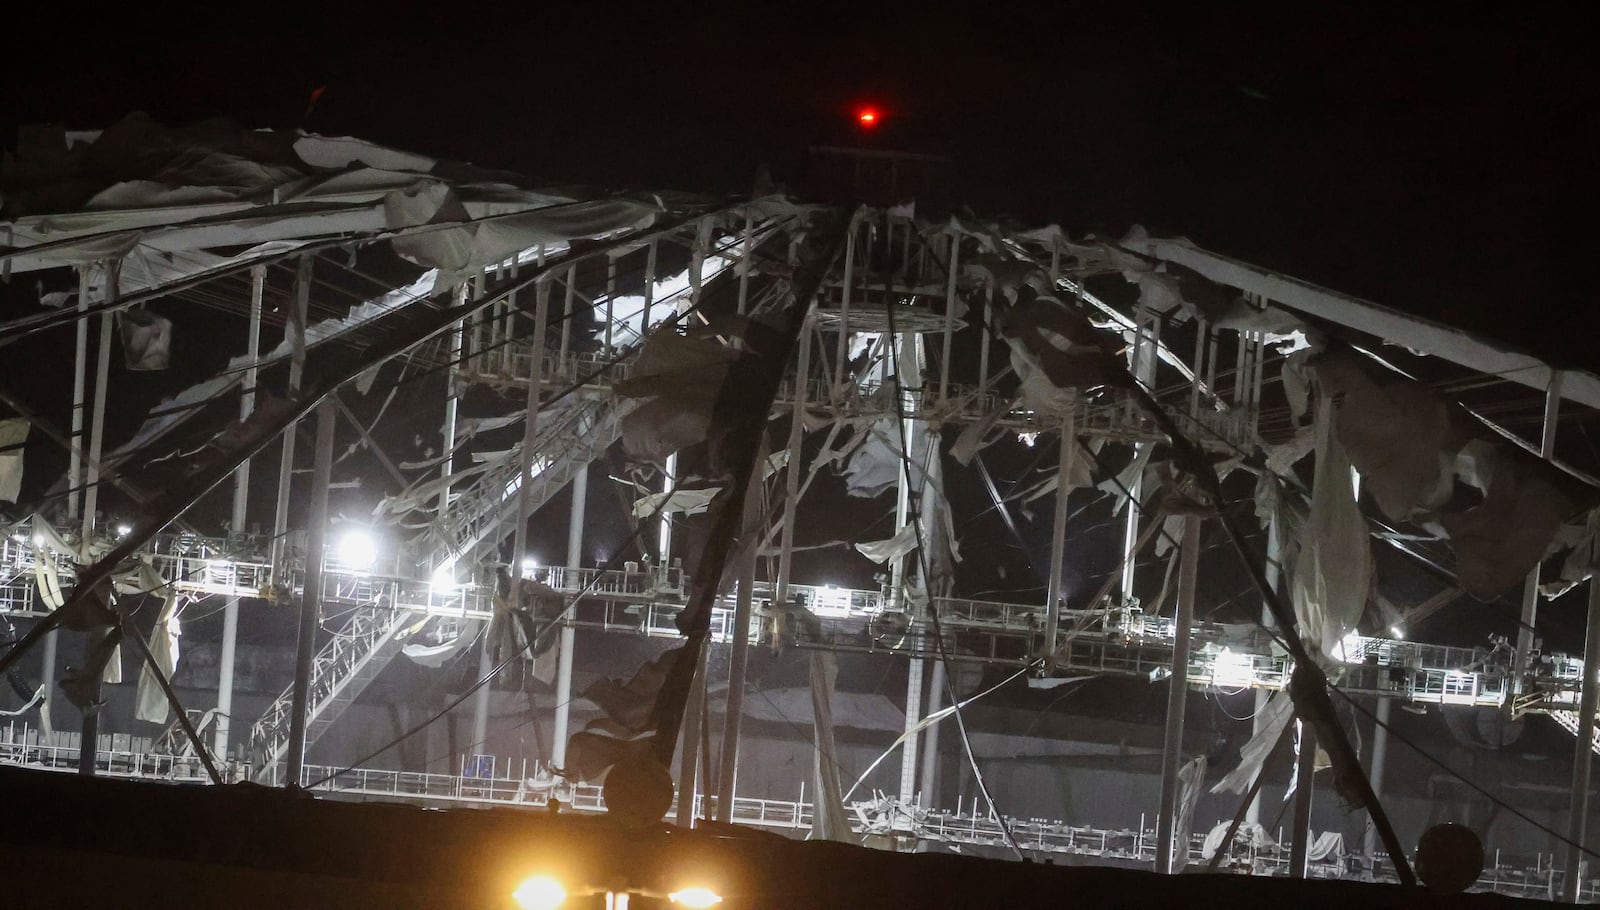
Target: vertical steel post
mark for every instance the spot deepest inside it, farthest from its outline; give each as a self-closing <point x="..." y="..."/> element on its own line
<point x="1170" y="855"/>
<point x="91" y="716"/>
<point x="519" y="533"/>
<point x="102" y="376"/>
<point x="1380" y="760"/>
<point x="930" y="742"/>
<point x="689" y="744"/>
<point x="791" y="474"/>
<point x="451" y="405"/>
<point x="564" y="656"/>
<point x="908" y="364"/>
<point x="1530" y="588"/>
<point x="1058" y="537"/>
<point x="739" y="646"/>
<point x="744" y="266"/>
<point x="1199" y="367"/>
<point x="316" y="541"/>
<point x="649" y="288"/>
<point x="294" y="331"/>
<point x="983" y="351"/>
<point x="571" y="284"/>
<point x="241" y="502"/>
<point x="1274" y="573"/>
<point x="669" y="477"/>
<point x="1583" y="750"/>
<point x="949" y="317"/>
<point x="79" y="371"/>
<point x="908" y="756"/>
<point x="842" y="352"/>
<point x="1305" y="786"/>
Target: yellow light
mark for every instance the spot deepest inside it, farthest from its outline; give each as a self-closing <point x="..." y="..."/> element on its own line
<point x="539" y="893"/>
<point x="698" y="898"/>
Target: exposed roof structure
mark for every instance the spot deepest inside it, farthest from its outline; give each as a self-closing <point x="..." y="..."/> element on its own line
<point x="760" y="371"/>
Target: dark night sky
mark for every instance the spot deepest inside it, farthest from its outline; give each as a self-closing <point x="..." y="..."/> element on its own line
<point x="1441" y="164"/>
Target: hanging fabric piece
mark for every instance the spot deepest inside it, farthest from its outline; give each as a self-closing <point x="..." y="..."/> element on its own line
<point x="1333" y="573"/>
<point x="1399" y="435"/>
<point x="1191" y="784"/>
<point x="882" y="551"/>
<point x="972" y="438"/>
<point x="1499" y="540"/>
<point x="467" y="249"/>
<point x="150" y="701"/>
<point x="438" y="653"/>
<point x="1124" y="483"/>
<point x="676" y="380"/>
<point x="1275" y="717"/>
<point x="688" y="502"/>
<point x="829" y="819"/>
<point x="874" y="467"/>
<point x="630" y="719"/>
<point x="1054" y="352"/>
<point x="13" y="435"/>
<point x="146" y="340"/>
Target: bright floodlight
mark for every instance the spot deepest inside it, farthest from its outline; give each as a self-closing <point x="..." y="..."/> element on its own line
<point x="698" y="898"/>
<point x="445" y="577"/>
<point x="1397" y="632"/>
<point x="124" y="530"/>
<point x="539" y="893"/>
<point x="529" y="564"/>
<point x="357" y="550"/>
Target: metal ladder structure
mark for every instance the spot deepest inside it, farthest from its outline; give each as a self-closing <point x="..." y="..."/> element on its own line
<point x="358" y="652"/>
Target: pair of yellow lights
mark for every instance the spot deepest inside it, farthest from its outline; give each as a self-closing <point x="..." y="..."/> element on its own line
<point x="545" y="893"/>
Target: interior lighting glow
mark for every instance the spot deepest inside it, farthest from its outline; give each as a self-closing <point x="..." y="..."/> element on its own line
<point x="1232" y="669"/>
<point x="444" y="577"/>
<point x="357" y="550"/>
<point x="38" y="540"/>
<point x="539" y="893"/>
<point x="698" y="898"/>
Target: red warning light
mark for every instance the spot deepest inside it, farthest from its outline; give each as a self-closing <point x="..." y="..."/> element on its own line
<point x="867" y="117"/>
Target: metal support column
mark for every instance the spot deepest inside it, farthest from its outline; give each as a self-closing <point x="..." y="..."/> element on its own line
<point x="669" y="477"/>
<point x="1058" y="538"/>
<point x="295" y="332"/>
<point x="316" y="540"/>
<point x="564" y="655"/>
<point x="1583" y="750"/>
<point x="739" y="657"/>
<point x="842" y="352"/>
<point x="1530" y="589"/>
<point x="1380" y="759"/>
<point x="689" y="744"/>
<point x="1171" y="856"/>
<point x="908" y="363"/>
<point x="791" y="474"/>
<point x="102" y="376"/>
<point x="519" y="533"/>
<point x="1305" y="787"/>
<point x="241" y="502"/>
<point x="80" y="369"/>
<point x="909" y="753"/>
<point x="1274" y="573"/>
<point x="738" y="662"/>
<point x="91" y="716"/>
<point x="949" y="317"/>
<point x="930" y="742"/>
